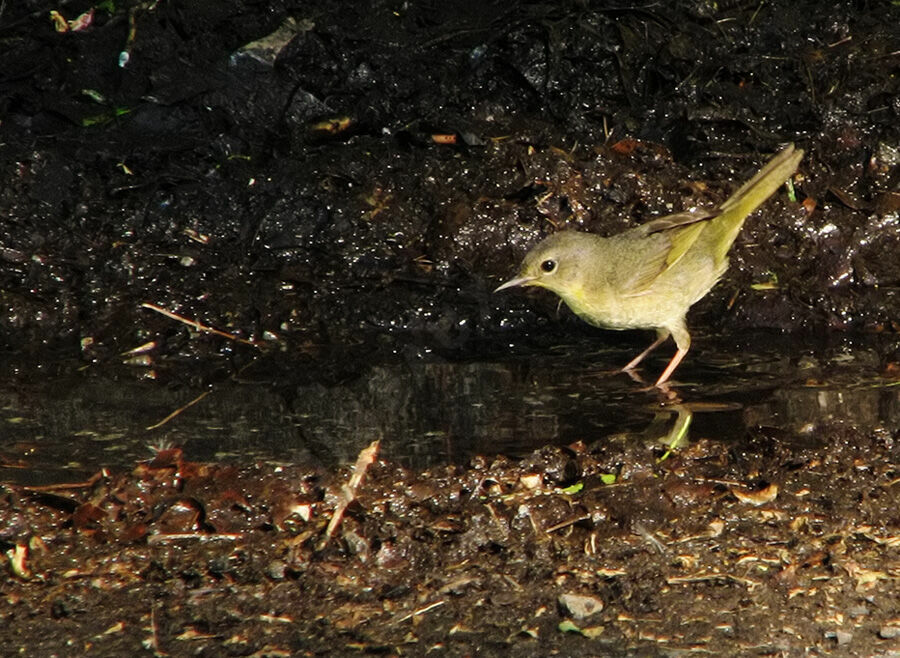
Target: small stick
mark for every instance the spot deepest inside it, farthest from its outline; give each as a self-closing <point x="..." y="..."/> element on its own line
<point x="179" y="410"/>
<point x="90" y="482"/>
<point x="196" y="325"/>
<point x="191" y="403"/>
<point x="197" y="536"/>
<point x="420" y="611"/>
<point x="152" y="642"/>
<point x="567" y="523"/>
<point x="365" y="459"/>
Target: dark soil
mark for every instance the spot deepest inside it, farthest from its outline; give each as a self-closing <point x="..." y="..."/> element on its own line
<point x="779" y="548"/>
<point x="355" y="187"/>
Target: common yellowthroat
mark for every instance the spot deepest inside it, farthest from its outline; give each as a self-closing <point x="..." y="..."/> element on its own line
<point x="649" y="276"/>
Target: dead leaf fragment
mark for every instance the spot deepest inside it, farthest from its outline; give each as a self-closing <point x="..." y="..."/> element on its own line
<point x="757" y="497"/>
<point x="118" y="627"/>
<point x="444" y="138"/>
<point x="580" y="606"/>
<point x="17" y="557"/>
<point x="78" y="24"/>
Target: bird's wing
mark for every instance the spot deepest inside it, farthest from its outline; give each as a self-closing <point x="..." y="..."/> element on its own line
<point x="661" y="249"/>
<point x="678" y="219"/>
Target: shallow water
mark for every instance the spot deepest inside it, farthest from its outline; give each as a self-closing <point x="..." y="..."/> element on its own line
<point x="69" y="422"/>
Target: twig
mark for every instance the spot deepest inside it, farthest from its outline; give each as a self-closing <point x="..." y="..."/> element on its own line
<point x="179" y="410"/>
<point x="197" y="325"/>
<point x="193" y="402"/>
<point x="567" y="523"/>
<point x="420" y="611"/>
<point x="152" y="642"/>
<point x="365" y="459"/>
<point x="708" y="577"/>
<point x="65" y="486"/>
<point x="167" y="537"/>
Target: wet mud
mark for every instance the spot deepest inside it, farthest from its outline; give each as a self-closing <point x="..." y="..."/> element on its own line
<point x="776" y="545"/>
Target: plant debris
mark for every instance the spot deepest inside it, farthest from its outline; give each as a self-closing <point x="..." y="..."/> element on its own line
<point x="461" y="557"/>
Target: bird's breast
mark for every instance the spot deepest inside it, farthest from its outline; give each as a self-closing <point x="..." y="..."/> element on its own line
<point x="599" y="305"/>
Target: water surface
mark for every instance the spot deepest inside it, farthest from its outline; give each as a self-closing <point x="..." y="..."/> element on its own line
<point x="67" y="420"/>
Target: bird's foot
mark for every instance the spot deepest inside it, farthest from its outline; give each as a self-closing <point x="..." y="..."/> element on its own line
<point x="668" y="395"/>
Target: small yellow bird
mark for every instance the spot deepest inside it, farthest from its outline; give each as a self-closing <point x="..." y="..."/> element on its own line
<point x="649" y="276"/>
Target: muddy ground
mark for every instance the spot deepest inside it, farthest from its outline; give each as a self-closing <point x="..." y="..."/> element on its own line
<point x="780" y="547"/>
<point x="354" y="186"/>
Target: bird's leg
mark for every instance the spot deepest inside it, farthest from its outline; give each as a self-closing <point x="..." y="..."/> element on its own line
<point x="662" y="335"/>
<point x="679" y="355"/>
<point x="683" y="341"/>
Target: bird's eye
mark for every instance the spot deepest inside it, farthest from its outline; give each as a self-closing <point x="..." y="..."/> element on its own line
<point x="548" y="265"/>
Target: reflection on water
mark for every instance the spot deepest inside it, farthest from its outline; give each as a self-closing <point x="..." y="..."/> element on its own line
<point x="438" y="411"/>
<point x="428" y="410"/>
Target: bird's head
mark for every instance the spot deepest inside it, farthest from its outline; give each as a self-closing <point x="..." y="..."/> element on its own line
<point x="555" y="263"/>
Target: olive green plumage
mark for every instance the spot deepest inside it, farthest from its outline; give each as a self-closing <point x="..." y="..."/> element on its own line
<point x="649" y="276"/>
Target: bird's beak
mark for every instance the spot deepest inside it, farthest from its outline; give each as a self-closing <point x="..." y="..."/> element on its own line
<point x="521" y="281"/>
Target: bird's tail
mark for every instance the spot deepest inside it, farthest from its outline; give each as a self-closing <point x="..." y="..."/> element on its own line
<point x="749" y="197"/>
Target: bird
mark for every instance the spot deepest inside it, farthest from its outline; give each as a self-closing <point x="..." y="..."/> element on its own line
<point x="647" y="277"/>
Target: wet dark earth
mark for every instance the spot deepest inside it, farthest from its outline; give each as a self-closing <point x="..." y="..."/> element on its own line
<point x="257" y="398"/>
<point x="709" y="526"/>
